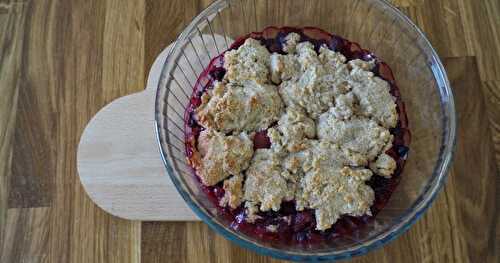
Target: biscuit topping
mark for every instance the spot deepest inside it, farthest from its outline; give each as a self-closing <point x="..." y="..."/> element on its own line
<point x="328" y="121"/>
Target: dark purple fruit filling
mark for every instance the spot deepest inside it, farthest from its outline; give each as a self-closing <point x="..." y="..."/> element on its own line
<point x="298" y="227"/>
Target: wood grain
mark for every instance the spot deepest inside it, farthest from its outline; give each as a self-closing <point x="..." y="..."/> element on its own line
<point x="481" y="26"/>
<point x="87" y="49"/>
<point x="406" y="3"/>
<point x="12" y="17"/>
<point x="162" y="241"/>
<point x="28" y="235"/>
<point x="477" y="215"/>
<point x="54" y="52"/>
<point x="492" y="95"/>
<point x="62" y="71"/>
<point x="446" y="33"/>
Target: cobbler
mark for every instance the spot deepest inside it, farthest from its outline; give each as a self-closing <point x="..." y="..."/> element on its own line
<point x="297" y="135"/>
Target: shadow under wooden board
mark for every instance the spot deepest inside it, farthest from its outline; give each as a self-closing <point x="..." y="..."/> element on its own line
<point x="460" y="226"/>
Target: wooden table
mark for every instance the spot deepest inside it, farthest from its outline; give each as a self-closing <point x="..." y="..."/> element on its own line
<point x="62" y="60"/>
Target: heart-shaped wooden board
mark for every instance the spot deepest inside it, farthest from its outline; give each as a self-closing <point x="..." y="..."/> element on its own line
<point x="119" y="163"/>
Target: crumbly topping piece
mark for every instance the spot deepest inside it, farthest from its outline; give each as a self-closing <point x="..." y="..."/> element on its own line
<point x="233" y="191"/>
<point x="249" y="62"/>
<point x="294" y="128"/>
<point x="373" y="95"/>
<point x="358" y="134"/>
<point x="266" y="182"/>
<point x="321" y="185"/>
<point x="219" y="156"/>
<point x="335" y="192"/>
<point x="359" y="64"/>
<point x="322" y="154"/>
<point x="244" y="106"/>
<point x="283" y="67"/>
<point x="336" y="68"/>
<point x="252" y="210"/>
<point x="308" y="92"/>
<point x="321" y="79"/>
<point x="276" y="139"/>
<point x="384" y="165"/>
<point x="345" y="106"/>
<point x="291" y="41"/>
<point x="331" y="58"/>
<point x="307" y="56"/>
<point x="334" y="63"/>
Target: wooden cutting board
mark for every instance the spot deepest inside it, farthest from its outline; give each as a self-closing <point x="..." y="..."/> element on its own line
<point x="118" y="159"/>
<point x="119" y="164"/>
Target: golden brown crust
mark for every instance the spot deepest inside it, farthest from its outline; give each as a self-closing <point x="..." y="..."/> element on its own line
<point x="221" y="156"/>
<point x="358" y="134"/>
<point x="249" y="62"/>
<point x="384" y="166"/>
<point x="266" y="182"/>
<point x="245" y="106"/>
<point x="195" y="159"/>
<point x="233" y="192"/>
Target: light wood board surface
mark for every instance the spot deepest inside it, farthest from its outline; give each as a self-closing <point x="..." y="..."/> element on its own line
<point x="61" y="61"/>
<point x="129" y="180"/>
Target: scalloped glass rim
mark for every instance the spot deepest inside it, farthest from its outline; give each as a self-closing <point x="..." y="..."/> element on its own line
<point x="401" y="224"/>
